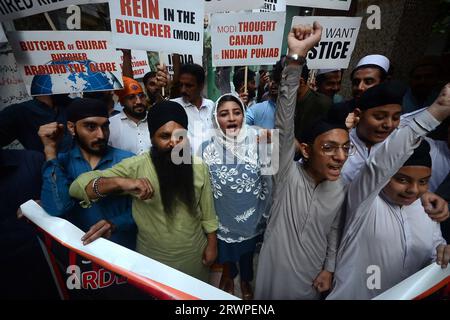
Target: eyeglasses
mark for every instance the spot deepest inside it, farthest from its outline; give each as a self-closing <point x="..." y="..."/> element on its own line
<point x="329" y="149"/>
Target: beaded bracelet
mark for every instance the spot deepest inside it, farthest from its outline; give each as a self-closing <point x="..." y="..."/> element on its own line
<point x="95" y="188"/>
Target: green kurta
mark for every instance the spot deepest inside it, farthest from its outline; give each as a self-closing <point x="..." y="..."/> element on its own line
<point x="178" y="242"/>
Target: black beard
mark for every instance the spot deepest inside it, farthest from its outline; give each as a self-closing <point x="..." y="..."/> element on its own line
<point x="100" y="152"/>
<point x="176" y="181"/>
<point x="137" y="115"/>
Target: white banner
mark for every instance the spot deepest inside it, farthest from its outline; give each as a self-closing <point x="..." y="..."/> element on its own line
<point x="212" y="6"/>
<point x="158" y="25"/>
<point x="12" y="88"/>
<point x="184" y="58"/>
<point x="240" y="39"/>
<point x="325" y="4"/>
<point x="273" y="5"/>
<point x="23" y="8"/>
<point x="419" y="285"/>
<point x="139" y="62"/>
<point x="53" y="62"/>
<point x="123" y="261"/>
<point x="337" y="44"/>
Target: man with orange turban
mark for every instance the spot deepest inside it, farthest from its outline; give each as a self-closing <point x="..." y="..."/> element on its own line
<point x="129" y="129"/>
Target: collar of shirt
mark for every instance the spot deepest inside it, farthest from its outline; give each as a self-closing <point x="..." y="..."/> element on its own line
<point x="108" y="157"/>
<point x="186" y="104"/>
<point x="360" y="145"/>
<point x="123" y="116"/>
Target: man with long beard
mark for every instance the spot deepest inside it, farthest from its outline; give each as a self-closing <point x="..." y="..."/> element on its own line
<point x="87" y="121"/>
<point x="172" y="205"/>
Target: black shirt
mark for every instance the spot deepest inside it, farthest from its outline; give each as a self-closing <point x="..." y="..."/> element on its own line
<point x="25" y="271"/>
<point x="22" y="121"/>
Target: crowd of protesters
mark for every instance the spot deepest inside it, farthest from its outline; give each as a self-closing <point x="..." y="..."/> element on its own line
<point x="282" y="174"/>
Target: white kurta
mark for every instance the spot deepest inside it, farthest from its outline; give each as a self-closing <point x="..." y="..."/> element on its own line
<point x="440" y="157"/>
<point x="303" y="231"/>
<point x="378" y="234"/>
<point x="199" y="122"/>
<point x="355" y="162"/>
<point x="128" y="135"/>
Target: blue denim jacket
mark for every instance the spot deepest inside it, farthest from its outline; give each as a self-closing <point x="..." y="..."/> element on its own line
<point x="59" y="173"/>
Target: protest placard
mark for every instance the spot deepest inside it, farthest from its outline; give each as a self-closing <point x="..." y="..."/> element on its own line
<point x="272" y="5"/>
<point x="24" y="8"/>
<point x="139" y="63"/>
<point x="150" y="275"/>
<point x="53" y="62"/>
<point x="212" y="6"/>
<point x="337" y="44"/>
<point x="246" y="38"/>
<point x="158" y="25"/>
<point x="166" y="58"/>
<point x="325" y="4"/>
<point x="12" y="88"/>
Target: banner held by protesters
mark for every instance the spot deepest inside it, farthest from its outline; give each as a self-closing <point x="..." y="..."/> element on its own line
<point x="167" y="59"/>
<point x="159" y="25"/>
<point x="53" y="62"/>
<point x="337" y="43"/>
<point x="21" y="8"/>
<point x="246" y="38"/>
<point x="162" y="281"/>
<point x="12" y="88"/>
<point x="139" y="62"/>
<point x="272" y="5"/>
<point x="212" y="6"/>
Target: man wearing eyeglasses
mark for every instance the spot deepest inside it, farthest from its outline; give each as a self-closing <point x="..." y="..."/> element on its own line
<point x="297" y="258"/>
<point x="129" y="129"/>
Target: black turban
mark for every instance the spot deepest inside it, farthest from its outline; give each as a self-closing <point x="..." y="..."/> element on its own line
<point x="85" y="108"/>
<point x="388" y="92"/>
<point x="421" y="156"/>
<point x="322" y="125"/>
<point x="164" y="112"/>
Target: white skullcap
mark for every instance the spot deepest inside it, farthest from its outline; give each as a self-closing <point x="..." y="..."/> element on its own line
<point x="322" y="71"/>
<point x="375" y="59"/>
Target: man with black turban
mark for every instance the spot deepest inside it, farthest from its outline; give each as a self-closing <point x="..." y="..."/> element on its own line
<point x="388" y="236"/>
<point x="379" y="109"/>
<point x="172" y="205"/>
<point x="87" y="122"/>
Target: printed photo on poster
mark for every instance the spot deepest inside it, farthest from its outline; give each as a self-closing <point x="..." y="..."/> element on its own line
<point x="53" y="62"/>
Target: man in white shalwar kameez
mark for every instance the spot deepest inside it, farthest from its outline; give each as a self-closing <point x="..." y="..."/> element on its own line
<point x="298" y="254"/>
<point x="375" y="125"/>
<point x="385" y="230"/>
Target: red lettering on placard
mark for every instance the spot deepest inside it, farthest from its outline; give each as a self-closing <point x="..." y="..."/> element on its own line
<point x="89" y="279"/>
<point x="140" y="8"/>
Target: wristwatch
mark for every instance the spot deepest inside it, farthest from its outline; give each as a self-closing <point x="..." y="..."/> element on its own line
<point x="296" y="57"/>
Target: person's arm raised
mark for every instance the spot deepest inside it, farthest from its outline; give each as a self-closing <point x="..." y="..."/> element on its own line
<point x="300" y="40"/>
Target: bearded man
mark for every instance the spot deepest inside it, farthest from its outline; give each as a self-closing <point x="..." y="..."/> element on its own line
<point x="172" y="205"/>
<point x="87" y="122"/>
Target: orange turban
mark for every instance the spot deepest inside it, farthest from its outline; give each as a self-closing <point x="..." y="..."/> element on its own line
<point x="130" y="86"/>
